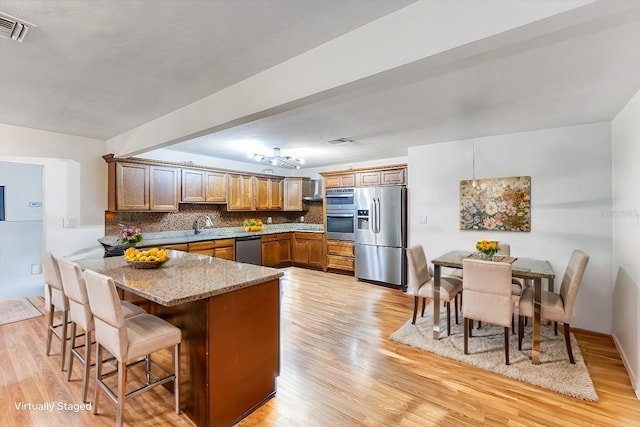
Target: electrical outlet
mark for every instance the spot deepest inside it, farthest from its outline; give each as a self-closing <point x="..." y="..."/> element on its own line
<point x="36" y="269"/>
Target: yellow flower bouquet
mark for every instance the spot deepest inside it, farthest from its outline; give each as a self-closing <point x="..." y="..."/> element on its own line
<point x="488" y="248"/>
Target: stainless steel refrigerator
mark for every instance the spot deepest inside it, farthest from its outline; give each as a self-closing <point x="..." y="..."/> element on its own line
<point x="381" y="234"/>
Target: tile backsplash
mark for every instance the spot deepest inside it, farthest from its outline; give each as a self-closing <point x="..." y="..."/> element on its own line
<point x="151" y="222"/>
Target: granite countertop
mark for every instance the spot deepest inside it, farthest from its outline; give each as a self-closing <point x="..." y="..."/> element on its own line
<point x="186" y="236"/>
<point x="183" y="278"/>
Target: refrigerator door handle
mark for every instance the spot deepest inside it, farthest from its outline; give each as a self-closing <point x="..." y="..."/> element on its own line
<point x="372" y="215"/>
<point x="377" y="202"/>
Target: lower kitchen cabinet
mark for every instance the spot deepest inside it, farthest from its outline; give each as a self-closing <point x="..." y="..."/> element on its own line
<point x="221" y="248"/>
<point x="308" y="249"/>
<point x="184" y="247"/>
<point x="276" y="249"/>
<point x="340" y="255"/>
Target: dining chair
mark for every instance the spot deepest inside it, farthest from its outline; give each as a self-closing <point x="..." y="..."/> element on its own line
<point x="57" y="300"/>
<point x="557" y="307"/>
<point x="128" y="339"/>
<point x="74" y="287"/>
<point x="487" y="297"/>
<point x="517" y="285"/>
<point x="420" y="284"/>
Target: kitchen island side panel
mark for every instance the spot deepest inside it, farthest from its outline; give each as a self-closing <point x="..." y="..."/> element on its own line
<point x="244" y="351"/>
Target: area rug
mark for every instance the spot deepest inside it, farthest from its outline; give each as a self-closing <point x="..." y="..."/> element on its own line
<point x="14" y="310"/>
<point x="486" y="351"/>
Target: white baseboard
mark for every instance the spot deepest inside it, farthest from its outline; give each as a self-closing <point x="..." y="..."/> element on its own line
<point x="625" y="362"/>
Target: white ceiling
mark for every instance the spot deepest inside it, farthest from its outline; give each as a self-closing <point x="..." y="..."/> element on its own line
<point x="102" y="68"/>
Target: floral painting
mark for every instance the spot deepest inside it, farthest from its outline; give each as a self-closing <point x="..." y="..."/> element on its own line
<point x="499" y="204"/>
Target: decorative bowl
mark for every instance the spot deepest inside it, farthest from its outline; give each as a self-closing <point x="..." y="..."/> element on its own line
<point x="253" y="228"/>
<point x="146" y="264"/>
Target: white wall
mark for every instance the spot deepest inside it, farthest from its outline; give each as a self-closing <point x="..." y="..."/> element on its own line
<point x="75" y="182"/>
<point x="626" y="236"/>
<point x="570" y="171"/>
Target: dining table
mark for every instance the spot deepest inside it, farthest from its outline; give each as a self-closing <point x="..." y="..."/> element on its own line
<point x="524" y="268"/>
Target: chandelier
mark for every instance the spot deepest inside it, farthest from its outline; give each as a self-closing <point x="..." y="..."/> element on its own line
<point x="278" y="160"/>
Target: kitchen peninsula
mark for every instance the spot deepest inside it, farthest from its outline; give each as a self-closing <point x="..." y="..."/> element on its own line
<point x="229" y="314"/>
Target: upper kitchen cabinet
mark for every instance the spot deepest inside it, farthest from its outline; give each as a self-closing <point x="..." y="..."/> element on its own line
<point x="142" y="187"/>
<point x="164" y="188"/>
<point x="339" y="180"/>
<point x="293" y="194"/>
<point x="268" y="193"/>
<point x="382" y="177"/>
<point x="240" y="193"/>
<point x="200" y="186"/>
<point x="131" y="189"/>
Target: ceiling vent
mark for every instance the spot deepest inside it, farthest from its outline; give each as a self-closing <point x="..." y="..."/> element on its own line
<point x="13" y="28"/>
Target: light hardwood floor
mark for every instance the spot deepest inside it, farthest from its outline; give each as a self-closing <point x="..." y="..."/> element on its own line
<point x="338" y="368"/>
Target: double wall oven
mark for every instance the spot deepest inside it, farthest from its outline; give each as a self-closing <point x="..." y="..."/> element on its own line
<point x="340" y="217"/>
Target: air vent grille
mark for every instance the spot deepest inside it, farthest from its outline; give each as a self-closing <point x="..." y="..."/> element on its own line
<point x="5" y="23"/>
<point x="13" y="28"/>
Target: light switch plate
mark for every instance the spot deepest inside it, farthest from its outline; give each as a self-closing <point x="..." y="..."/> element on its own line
<point x="69" y="222"/>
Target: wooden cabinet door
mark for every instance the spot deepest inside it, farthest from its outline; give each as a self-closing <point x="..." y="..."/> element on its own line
<point x="202" y="248"/>
<point x="368" y="178"/>
<point x="284" y="249"/>
<point x="308" y="249"/>
<point x="227" y="252"/>
<point x="193" y="185"/>
<point x="340" y="180"/>
<point x="177" y="247"/>
<point x="164" y="188"/>
<point x="268" y="193"/>
<point x="275" y="194"/>
<point x="292" y="194"/>
<point x="393" y="177"/>
<point x="262" y="193"/>
<point x="300" y="250"/>
<point x="240" y="193"/>
<point x="276" y="249"/>
<point x="316" y="253"/>
<point x="132" y="187"/>
<point x="215" y="187"/>
<point x="270" y="253"/>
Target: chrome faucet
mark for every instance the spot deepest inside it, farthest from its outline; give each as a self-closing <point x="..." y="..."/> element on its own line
<point x="207" y="223"/>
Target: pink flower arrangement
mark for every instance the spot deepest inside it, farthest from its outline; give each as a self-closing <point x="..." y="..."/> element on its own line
<point x="130" y="235"/>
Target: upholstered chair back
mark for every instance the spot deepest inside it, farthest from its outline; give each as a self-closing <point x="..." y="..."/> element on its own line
<point x="111" y="330"/>
<point x="487" y="291"/>
<point x="417" y="269"/>
<point x="571" y="281"/>
<point x="76" y="290"/>
<point x="52" y="279"/>
<point x="504" y="249"/>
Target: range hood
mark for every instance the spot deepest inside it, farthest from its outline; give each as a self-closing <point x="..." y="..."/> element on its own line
<point x="314" y="191"/>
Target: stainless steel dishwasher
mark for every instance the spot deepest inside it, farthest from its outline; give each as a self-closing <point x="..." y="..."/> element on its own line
<point x="249" y="249"/>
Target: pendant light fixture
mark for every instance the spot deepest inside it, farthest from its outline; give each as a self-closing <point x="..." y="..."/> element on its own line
<point x="278" y="160"/>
